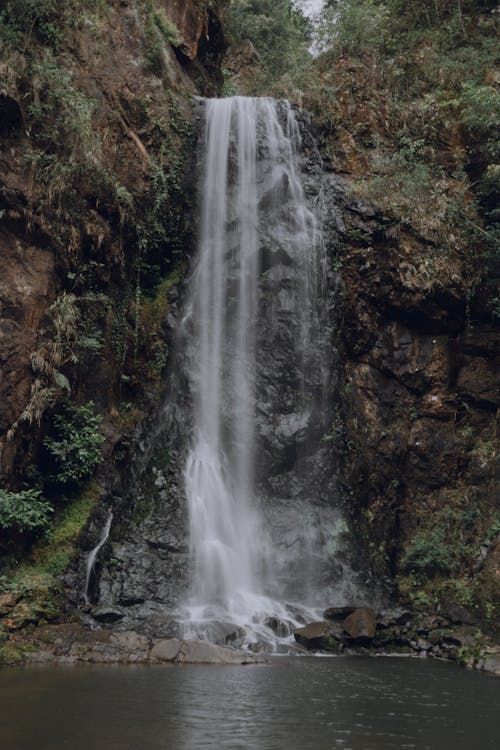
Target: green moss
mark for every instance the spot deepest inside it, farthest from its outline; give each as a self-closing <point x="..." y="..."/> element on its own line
<point x="152" y="315"/>
<point x="10" y="655"/>
<point x="36" y="581"/>
<point x="159" y="30"/>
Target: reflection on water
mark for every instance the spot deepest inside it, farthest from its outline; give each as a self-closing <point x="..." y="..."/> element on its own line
<point x="297" y="704"/>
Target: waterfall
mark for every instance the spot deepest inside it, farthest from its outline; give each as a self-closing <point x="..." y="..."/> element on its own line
<point x="251" y="189"/>
<point x="92" y="556"/>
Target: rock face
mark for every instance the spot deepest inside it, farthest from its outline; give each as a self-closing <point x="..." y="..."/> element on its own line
<point x="199" y="23"/>
<point x="48" y="239"/>
<point x="416" y="423"/>
<point x="145" y="568"/>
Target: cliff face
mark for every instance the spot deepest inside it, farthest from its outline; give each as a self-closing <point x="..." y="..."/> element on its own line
<point x="419" y="405"/>
<point x="95" y="211"/>
<point x="93" y="128"/>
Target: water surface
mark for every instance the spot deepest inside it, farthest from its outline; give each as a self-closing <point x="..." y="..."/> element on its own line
<point x="295" y="703"/>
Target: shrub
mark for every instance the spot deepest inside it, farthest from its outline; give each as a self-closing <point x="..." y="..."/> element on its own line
<point x="75" y="446"/>
<point x="429" y="555"/>
<point x="24" y="511"/>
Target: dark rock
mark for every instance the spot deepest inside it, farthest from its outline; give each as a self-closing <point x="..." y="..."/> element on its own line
<point x="279" y="628"/>
<point x="338" y="614"/>
<point x="391" y="618"/>
<point x="318" y="636"/>
<point x="107" y="614"/>
<point x="459" y="615"/>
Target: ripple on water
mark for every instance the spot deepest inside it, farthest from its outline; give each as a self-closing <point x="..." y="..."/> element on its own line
<point x="297" y="704"/>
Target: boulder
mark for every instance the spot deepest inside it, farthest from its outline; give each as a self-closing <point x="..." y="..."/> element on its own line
<point x="202" y="652"/>
<point x="360" y="625"/>
<point x="491" y="664"/>
<point x="338" y="614"/>
<point x="165" y="649"/>
<point x="318" y="636"/>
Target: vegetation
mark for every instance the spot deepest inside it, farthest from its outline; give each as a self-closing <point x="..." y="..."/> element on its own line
<point x="32" y="589"/>
<point x="408" y="97"/>
<point x="24" y="511"/>
<point x="159" y="30"/>
<point x="280" y="33"/>
<point x="420" y="116"/>
<point x="74" y="444"/>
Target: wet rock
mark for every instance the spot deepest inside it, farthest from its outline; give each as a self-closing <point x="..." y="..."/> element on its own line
<point x="491" y="664"/>
<point x="479" y="380"/>
<point x="200" y="652"/>
<point x="107" y="614"/>
<point x="338" y="614"/>
<point x="165" y="649"/>
<point x="72" y="643"/>
<point x="278" y="627"/>
<point x="361" y="625"/>
<point x="318" y="636"/>
<point x="131" y="642"/>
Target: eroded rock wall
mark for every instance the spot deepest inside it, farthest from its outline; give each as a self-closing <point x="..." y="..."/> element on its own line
<point x="419" y="405"/>
<point x="81" y="237"/>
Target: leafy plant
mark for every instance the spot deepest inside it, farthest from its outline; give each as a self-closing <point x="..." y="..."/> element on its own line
<point x="25" y="511"/>
<point x="75" y="444"/>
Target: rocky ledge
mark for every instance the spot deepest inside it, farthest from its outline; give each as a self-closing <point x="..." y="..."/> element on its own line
<point x="354" y="630"/>
<point x="71" y="643"/>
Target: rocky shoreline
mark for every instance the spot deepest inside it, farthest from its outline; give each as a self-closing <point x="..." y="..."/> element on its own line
<point x="71" y="643"/>
<point x="345" y="631"/>
<point x="360" y="630"/>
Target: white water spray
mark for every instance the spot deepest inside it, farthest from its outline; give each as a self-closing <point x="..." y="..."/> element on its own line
<point x="250" y="167"/>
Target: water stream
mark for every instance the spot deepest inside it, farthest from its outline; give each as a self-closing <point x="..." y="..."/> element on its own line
<point x="92" y="556"/>
<point x="250" y="178"/>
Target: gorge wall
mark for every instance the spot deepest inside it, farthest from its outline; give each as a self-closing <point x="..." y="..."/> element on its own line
<point x="85" y="125"/>
<point x="411" y="449"/>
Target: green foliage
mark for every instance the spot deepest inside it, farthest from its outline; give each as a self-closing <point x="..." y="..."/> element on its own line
<point x="430" y="554"/>
<point x="25" y="21"/>
<point x="60" y="125"/>
<point x="37" y="594"/>
<point x="279" y="31"/>
<point x="354" y="25"/>
<point x="443" y="548"/>
<point x="55" y="554"/>
<point x="24" y="512"/>
<point x="164" y="231"/>
<point x="415" y="87"/>
<point x="75" y="444"/>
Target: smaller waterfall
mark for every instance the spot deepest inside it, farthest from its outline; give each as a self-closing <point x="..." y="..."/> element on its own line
<point x="92" y="556"/>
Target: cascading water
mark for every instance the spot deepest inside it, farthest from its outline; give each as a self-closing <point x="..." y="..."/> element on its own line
<point x="92" y="556"/>
<point x="250" y="179"/>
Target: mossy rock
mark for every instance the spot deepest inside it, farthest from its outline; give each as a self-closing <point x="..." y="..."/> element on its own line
<point x="11" y="655"/>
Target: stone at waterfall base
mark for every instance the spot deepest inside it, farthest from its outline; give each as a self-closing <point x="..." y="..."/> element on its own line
<point x="359" y="630"/>
<point x="70" y="643"/>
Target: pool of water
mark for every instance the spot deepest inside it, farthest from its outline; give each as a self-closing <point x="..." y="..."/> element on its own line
<point x="346" y="703"/>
